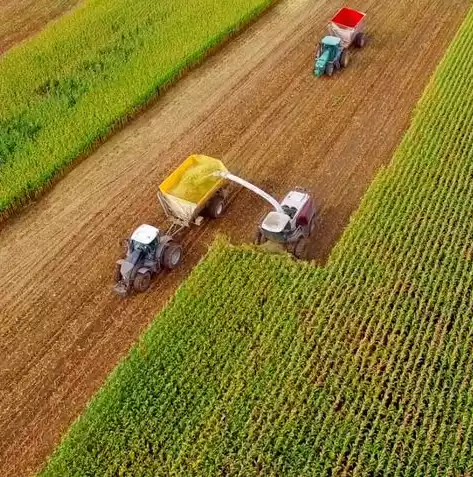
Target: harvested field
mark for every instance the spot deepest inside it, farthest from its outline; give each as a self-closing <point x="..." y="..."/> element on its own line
<point x="256" y="106"/>
<point x="23" y="18"/>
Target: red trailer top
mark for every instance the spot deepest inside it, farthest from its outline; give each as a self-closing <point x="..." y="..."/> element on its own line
<point x="348" y="17"/>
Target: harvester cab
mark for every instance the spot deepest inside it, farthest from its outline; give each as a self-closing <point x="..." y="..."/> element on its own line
<point x="330" y="55"/>
<point x="147" y="253"/>
<point x="290" y="223"/>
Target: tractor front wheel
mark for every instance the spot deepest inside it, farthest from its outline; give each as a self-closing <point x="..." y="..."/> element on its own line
<point x="142" y="281"/>
<point x="344" y="59"/>
<point x="117" y="274"/>
<point x="329" y="69"/>
<point x="172" y="255"/>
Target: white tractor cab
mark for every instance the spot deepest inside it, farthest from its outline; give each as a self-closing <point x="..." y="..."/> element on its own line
<point x="292" y="221"/>
<point x="147" y="253"/>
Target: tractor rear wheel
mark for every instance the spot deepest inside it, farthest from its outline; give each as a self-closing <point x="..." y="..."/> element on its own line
<point x="172" y="255"/>
<point x="344" y="59"/>
<point x="142" y="281"/>
<point x="216" y="206"/>
<point x="360" y="40"/>
<point x="329" y="69"/>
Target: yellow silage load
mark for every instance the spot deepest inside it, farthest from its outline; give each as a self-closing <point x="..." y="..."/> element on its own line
<point x="193" y="180"/>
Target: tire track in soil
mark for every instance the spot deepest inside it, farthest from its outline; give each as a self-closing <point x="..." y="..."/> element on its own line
<point x="254" y="104"/>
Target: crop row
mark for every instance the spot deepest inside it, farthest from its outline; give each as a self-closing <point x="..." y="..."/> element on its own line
<point x="264" y="366"/>
<point x="73" y="83"/>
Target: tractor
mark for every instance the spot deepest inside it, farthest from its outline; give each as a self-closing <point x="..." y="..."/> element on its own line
<point x="147" y="253"/>
<point x="330" y="55"/>
<point x="346" y="28"/>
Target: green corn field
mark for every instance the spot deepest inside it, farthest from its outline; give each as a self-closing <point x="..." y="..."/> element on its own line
<point x="72" y="84"/>
<point x="261" y="365"/>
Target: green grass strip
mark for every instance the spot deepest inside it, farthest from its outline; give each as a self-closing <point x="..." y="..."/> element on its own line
<point x="73" y="83"/>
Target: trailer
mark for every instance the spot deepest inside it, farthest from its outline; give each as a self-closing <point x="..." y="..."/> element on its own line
<point x="347" y="27"/>
<point x="192" y="192"/>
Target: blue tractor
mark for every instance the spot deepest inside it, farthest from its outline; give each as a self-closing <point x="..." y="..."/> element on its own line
<point x="330" y="55"/>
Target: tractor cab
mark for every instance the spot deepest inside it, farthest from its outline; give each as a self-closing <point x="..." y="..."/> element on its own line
<point x="328" y="55"/>
<point x="145" y="239"/>
<point x="147" y="253"/>
<point x="331" y="43"/>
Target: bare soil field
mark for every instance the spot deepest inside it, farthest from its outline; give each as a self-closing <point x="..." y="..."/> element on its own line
<point x="23" y="18"/>
<point x="255" y="105"/>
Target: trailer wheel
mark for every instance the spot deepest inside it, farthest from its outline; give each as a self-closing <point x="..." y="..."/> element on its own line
<point x="360" y="40"/>
<point x="216" y="207"/>
<point x="329" y="69"/>
<point x="344" y="59"/>
<point x="142" y="281"/>
<point x="172" y="255"/>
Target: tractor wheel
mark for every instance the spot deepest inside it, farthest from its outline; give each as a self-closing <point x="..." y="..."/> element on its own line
<point x="329" y="69"/>
<point x="172" y="255"/>
<point x="300" y="249"/>
<point x="360" y="40"/>
<point x="216" y="207"/>
<point x="142" y="281"/>
<point x="117" y="274"/>
<point x="124" y="245"/>
<point x="344" y="59"/>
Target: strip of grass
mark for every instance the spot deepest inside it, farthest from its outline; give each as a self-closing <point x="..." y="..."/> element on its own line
<point x="70" y="85"/>
<point x="264" y="366"/>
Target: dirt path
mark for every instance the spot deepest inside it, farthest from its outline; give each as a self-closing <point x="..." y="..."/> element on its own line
<point x="256" y="106"/>
<point x="23" y="18"/>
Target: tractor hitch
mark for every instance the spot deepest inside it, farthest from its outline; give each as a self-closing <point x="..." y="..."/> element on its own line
<point x="122" y="289"/>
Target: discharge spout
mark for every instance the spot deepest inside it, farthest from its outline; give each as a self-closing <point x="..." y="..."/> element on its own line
<point x="253" y="188"/>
